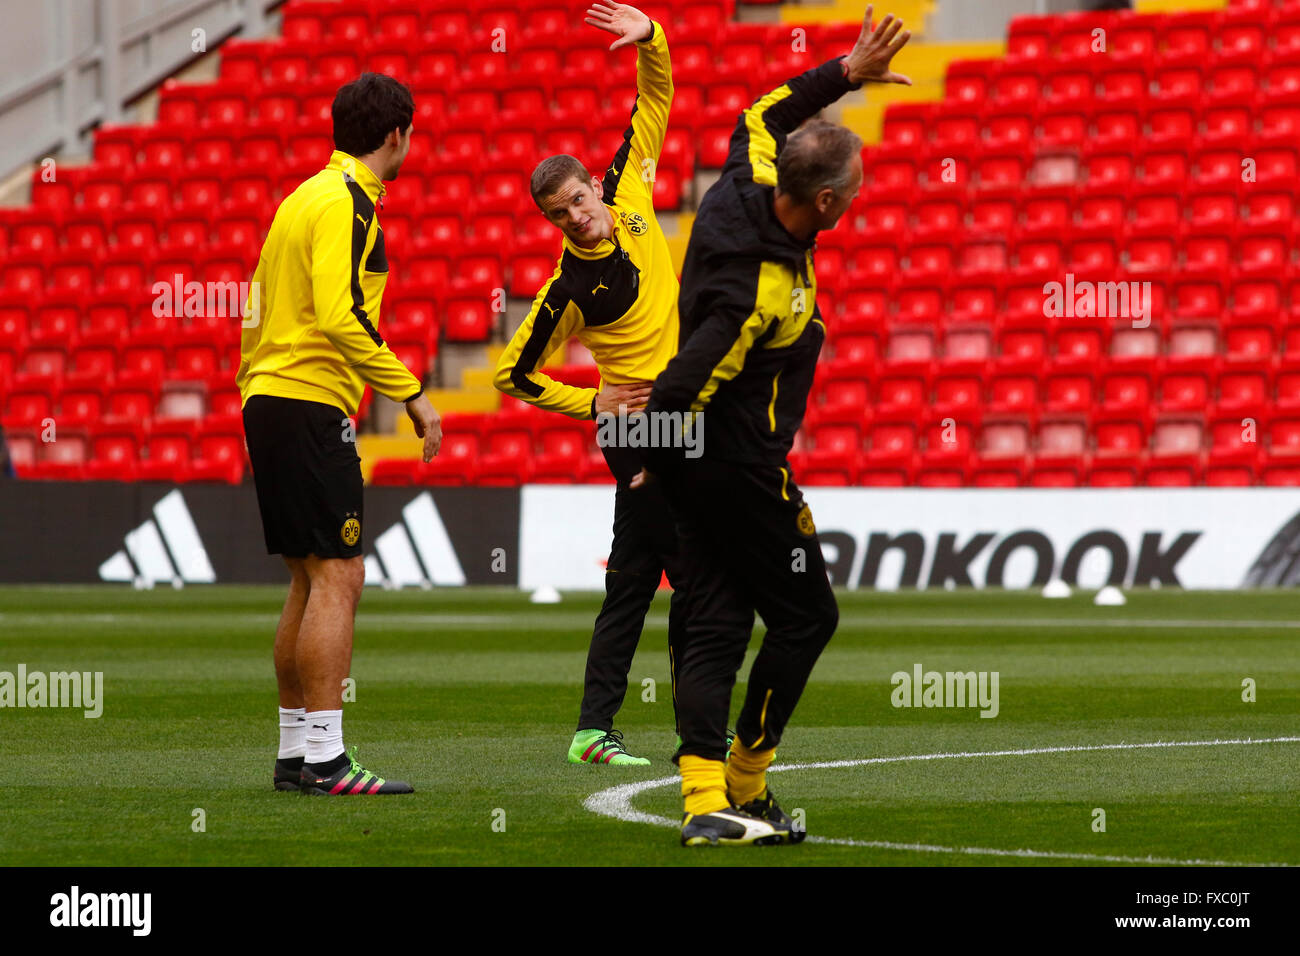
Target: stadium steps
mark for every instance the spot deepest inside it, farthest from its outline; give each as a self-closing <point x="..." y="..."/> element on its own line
<point x="1178" y="6"/>
<point x="912" y="12"/>
<point x="681" y="235"/>
<point x="925" y="64"/>
<point x="476" y="395"/>
<point x="475" y="392"/>
<point x="403" y="444"/>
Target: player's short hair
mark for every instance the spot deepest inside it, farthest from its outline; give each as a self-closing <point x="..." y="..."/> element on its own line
<point x="553" y="172"/>
<point x="816" y="156"/>
<point x="366" y="110"/>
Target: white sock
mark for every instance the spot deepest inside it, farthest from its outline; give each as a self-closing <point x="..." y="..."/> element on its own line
<point x="324" y="735"/>
<point x="293" y="732"/>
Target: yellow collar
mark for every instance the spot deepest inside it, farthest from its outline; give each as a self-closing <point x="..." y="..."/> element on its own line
<point x="359" y="171"/>
<point x="603" y="248"/>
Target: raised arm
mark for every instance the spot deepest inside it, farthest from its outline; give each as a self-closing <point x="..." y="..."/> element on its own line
<point x="762" y="129"/>
<point x="631" y="174"/>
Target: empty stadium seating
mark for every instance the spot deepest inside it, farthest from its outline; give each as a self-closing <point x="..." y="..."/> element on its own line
<point x="1165" y="156"/>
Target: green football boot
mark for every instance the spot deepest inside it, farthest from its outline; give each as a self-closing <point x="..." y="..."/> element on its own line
<point x="597" y="746"/>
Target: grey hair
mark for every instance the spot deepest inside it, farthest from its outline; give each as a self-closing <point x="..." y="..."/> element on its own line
<point x="816" y="156"/>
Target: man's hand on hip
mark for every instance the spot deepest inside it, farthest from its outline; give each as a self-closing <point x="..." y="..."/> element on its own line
<point x="631" y="397"/>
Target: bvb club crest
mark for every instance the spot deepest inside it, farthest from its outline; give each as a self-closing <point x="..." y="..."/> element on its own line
<point x="805" y="522"/>
<point x="636" y="224"/>
<point x="350" y="532"/>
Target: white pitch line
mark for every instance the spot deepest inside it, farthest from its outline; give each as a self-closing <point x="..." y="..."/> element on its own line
<point x="616" y="802"/>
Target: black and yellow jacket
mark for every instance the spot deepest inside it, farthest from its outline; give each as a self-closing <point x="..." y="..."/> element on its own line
<point x="750" y="328"/>
<point x="619" y="298"/>
<point x="313" y="329"/>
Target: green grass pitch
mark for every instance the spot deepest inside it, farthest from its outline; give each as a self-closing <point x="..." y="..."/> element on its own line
<point x="471" y="695"/>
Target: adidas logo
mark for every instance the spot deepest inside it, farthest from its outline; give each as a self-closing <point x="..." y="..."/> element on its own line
<point x="165" y="548"/>
<point x="415" y="552"/>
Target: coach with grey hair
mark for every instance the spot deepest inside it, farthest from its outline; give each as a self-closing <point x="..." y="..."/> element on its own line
<point x="751" y="334"/>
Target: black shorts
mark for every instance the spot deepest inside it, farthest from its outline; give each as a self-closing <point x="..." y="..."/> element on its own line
<point x="308" y="477"/>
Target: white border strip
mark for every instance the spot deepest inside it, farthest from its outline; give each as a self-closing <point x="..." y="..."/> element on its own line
<point x="616" y="802"/>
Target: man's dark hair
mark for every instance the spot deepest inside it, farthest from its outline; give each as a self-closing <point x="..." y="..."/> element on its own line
<point x="366" y="110"/>
<point x="816" y="156"/>
<point x="553" y="172"/>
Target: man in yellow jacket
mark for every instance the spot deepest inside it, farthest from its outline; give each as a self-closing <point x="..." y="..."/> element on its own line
<point x="309" y="346"/>
<point x="615" y="289"/>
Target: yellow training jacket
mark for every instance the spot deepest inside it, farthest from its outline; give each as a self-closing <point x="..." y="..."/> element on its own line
<point x="619" y="298"/>
<point x="310" y="332"/>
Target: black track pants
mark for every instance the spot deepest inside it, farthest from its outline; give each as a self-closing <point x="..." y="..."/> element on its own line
<point x="747" y="544"/>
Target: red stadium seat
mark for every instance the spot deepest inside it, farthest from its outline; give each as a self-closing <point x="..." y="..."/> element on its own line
<point x="1032" y="37"/>
<point x="1244" y="383"/>
<point x="509" y="436"/>
<point x="28" y="407"/>
<point x="908" y="123"/>
<point x="1189" y="33"/>
<point x="967" y="81"/>
<point x="469" y="317"/>
<point x="394" y="471"/>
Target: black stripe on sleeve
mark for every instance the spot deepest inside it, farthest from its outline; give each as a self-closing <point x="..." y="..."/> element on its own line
<point x="544" y="324"/>
<point x="614" y="175"/>
<point x="363" y="213"/>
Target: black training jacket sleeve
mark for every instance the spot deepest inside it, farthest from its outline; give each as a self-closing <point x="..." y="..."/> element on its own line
<point x="761" y="130"/>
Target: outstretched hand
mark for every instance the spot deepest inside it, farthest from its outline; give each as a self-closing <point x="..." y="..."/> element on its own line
<point x="623" y="20"/>
<point x="868" y="61"/>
